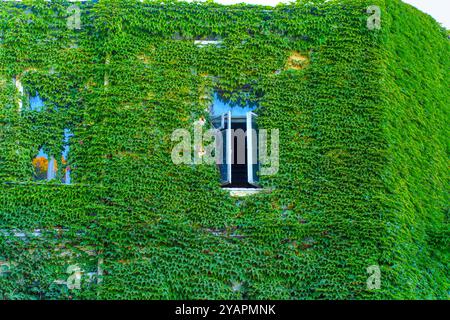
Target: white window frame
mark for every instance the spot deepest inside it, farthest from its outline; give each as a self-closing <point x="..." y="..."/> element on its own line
<point x="224" y="129"/>
<point x="19" y="87"/>
<point x="252" y="148"/>
<point x="225" y="126"/>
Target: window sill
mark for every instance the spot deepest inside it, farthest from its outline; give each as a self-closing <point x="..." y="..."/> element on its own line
<point x="243" y="192"/>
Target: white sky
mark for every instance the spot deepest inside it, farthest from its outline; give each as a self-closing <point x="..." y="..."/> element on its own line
<point x="438" y="9"/>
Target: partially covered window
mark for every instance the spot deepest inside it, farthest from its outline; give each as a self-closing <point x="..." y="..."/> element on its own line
<point x="46" y="166"/>
<point x="36" y="102"/>
<point x="236" y="122"/>
<point x="19" y="88"/>
<point x="64" y="158"/>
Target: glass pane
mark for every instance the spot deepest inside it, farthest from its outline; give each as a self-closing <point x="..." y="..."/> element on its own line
<point x="65" y="154"/>
<point x="217" y="122"/>
<point x="44" y="169"/>
<point x="220" y="107"/>
<point x="36" y="103"/>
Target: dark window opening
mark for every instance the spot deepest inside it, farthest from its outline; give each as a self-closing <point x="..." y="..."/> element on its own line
<point x="239" y="170"/>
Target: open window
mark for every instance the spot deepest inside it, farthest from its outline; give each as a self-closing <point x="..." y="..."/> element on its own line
<point x="45" y="166"/>
<point x="237" y="144"/>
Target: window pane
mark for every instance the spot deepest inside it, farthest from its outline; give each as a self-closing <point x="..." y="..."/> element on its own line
<point x="65" y="154"/>
<point x="43" y="168"/>
<point x="36" y="103"/>
<point x="225" y="166"/>
<point x="219" y="107"/>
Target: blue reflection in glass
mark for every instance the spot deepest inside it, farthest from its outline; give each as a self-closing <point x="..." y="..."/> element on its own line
<point x="219" y="107"/>
<point x="36" y="103"/>
<point x="67" y="134"/>
<point x="42" y="153"/>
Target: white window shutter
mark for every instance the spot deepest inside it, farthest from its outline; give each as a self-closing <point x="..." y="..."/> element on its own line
<point x="228" y="146"/>
<point x="224" y="147"/>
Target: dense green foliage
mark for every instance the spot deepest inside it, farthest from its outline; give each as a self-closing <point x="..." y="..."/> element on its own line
<point x="363" y="151"/>
<point x="416" y="180"/>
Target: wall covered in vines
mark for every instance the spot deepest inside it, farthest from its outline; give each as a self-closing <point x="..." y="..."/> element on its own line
<point x="363" y="151"/>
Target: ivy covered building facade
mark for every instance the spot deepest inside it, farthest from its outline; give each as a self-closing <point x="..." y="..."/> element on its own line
<point x="92" y="205"/>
